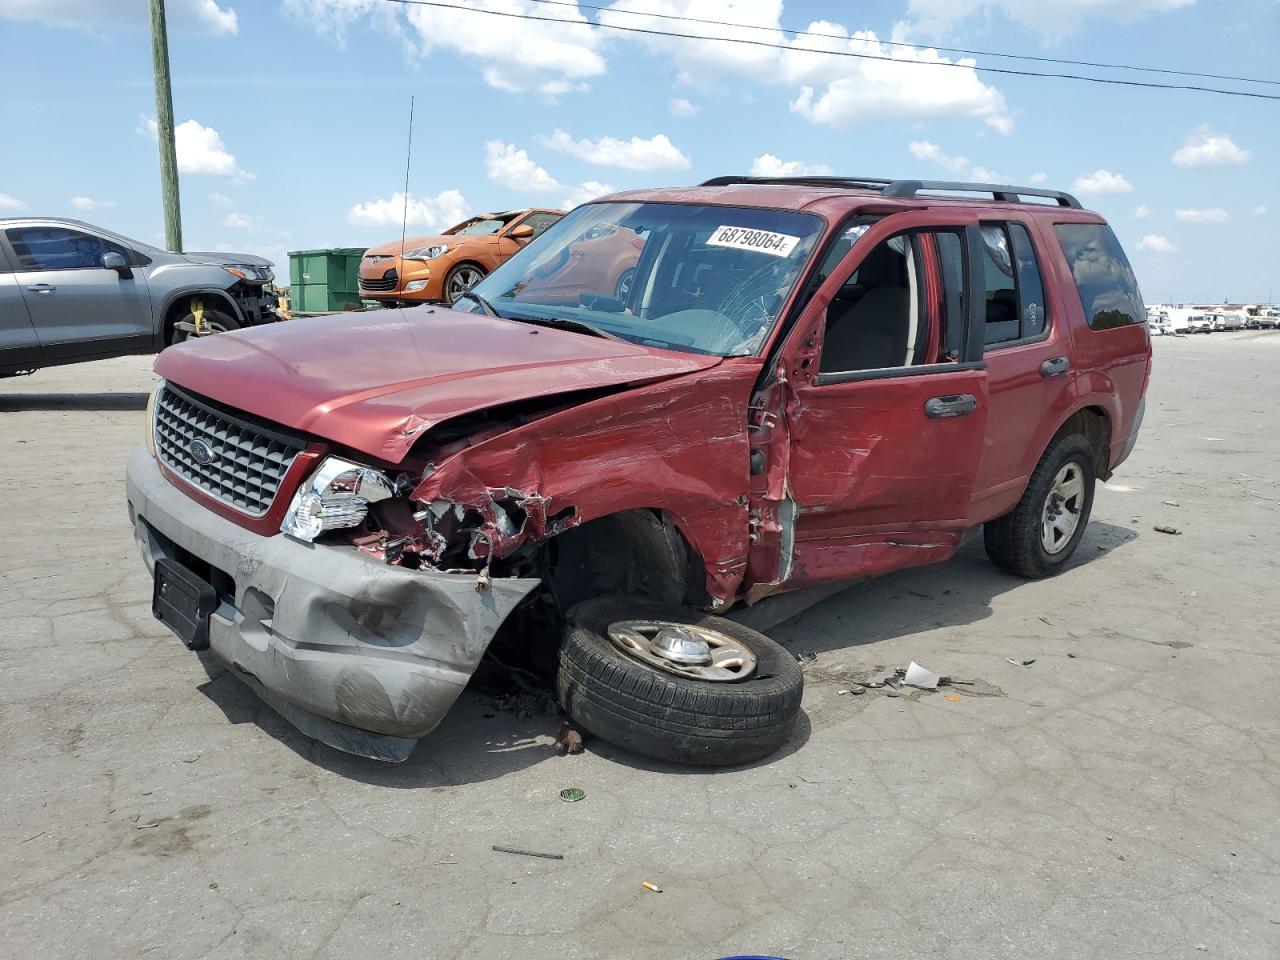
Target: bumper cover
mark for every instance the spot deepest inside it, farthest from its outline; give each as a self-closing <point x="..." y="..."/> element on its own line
<point x="363" y="656"/>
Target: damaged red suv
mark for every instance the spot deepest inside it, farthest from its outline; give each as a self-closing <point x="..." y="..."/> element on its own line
<point x="673" y="406"/>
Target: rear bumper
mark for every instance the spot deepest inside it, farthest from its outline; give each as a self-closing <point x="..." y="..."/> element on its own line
<point x="361" y="655"/>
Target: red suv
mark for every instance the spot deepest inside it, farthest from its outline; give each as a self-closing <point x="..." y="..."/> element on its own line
<point x="757" y="386"/>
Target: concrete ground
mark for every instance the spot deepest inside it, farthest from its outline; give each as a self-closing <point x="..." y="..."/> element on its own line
<point x="1116" y="798"/>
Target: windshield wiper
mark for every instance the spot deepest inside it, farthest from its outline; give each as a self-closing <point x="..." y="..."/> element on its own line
<point x="564" y="323"/>
<point x="485" y="305"/>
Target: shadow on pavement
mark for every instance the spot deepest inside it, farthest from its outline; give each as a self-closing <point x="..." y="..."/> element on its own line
<point x="13" y="402"/>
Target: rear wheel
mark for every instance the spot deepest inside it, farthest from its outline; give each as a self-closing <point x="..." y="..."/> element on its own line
<point x="210" y="322"/>
<point x="459" y="280"/>
<point x="1038" y="536"/>
<point x="676" y="684"/>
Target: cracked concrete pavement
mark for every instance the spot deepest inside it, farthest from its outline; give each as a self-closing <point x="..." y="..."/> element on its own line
<point x="1117" y="798"/>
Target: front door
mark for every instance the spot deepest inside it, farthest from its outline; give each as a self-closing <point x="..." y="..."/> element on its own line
<point x="73" y="300"/>
<point x="18" y="344"/>
<point x="887" y="407"/>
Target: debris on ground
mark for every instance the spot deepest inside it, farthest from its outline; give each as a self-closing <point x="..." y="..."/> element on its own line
<point x="1171" y="503"/>
<point x="1161" y="528"/>
<point x="653" y="887"/>
<point x="568" y="740"/>
<point x="525" y="704"/>
<point x="808" y="656"/>
<point x="951" y="697"/>
<point x="572" y="794"/>
<point x="918" y="676"/>
<point x="1019" y="663"/>
<point x="528" y="853"/>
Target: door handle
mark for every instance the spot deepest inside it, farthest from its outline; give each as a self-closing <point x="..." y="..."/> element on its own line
<point x="1055" y="367"/>
<point x="956" y="405"/>
<point x="42" y="288"/>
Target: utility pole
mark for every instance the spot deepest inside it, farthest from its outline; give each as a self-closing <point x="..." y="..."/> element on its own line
<point x="164" y="128"/>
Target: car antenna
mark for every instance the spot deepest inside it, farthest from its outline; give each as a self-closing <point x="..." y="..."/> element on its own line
<point x="404" y="221"/>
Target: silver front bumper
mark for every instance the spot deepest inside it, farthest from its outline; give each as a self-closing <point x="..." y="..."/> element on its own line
<point x="364" y="656"/>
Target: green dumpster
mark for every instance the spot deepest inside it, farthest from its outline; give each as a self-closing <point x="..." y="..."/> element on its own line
<point x="323" y="280"/>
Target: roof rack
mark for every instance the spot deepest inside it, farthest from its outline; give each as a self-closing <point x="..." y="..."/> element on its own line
<point x="905" y="189"/>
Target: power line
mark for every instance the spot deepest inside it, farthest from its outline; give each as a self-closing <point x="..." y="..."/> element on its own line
<point x="900" y="43"/>
<point x="1006" y="71"/>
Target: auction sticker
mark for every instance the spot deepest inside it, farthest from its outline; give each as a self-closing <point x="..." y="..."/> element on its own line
<point x="762" y="241"/>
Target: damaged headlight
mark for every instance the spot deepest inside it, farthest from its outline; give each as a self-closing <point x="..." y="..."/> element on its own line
<point x="426" y="253"/>
<point x="337" y="495"/>
<point x="151" y="416"/>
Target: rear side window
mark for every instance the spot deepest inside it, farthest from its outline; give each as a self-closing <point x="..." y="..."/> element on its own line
<point x="1108" y="289"/>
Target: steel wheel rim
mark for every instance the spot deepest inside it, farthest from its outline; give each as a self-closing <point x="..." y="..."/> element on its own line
<point x="462" y="281"/>
<point x="1063" y="505"/>
<point x="683" y="649"/>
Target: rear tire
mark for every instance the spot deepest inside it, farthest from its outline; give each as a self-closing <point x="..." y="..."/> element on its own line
<point x="659" y="714"/>
<point x="1038" y="536"/>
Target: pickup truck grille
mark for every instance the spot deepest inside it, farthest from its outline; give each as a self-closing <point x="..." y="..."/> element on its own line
<point x="388" y="282"/>
<point x="238" y="462"/>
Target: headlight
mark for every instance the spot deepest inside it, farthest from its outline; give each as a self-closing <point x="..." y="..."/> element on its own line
<point x="425" y="253"/>
<point x="251" y="273"/>
<point x="413" y="285"/>
<point x="337" y="495"/>
<point x="151" y="416"/>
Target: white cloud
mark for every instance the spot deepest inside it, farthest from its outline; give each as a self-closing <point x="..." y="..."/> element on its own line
<point x="435" y="213"/>
<point x="767" y="165"/>
<point x="1101" y="181"/>
<point x="8" y="202"/>
<point x="655" y="153"/>
<point x="1142" y="212"/>
<point x="88" y="203"/>
<point x="1036" y="178"/>
<point x="200" y="150"/>
<point x="924" y="150"/>
<point x="680" y="107"/>
<point x="1203" y="215"/>
<point x="1204" y="148"/>
<point x="587" y="190"/>
<point x="1052" y="20"/>
<point x="243" y="221"/>
<point x="206" y="16"/>
<point x="983" y="175"/>
<point x="1259" y="211"/>
<point x="220" y="199"/>
<point x="507" y="164"/>
<point x="1156" y="244"/>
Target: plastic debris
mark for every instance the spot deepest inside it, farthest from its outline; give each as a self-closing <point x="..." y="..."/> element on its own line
<point x="1019" y="663"/>
<point x="841" y="693"/>
<point x="1161" y="528"/>
<point x="951" y="697"/>
<point x="918" y="676"/>
<point x="572" y="794"/>
<point x="528" y="853"/>
<point x="808" y="656"/>
<point x="652" y="887"/>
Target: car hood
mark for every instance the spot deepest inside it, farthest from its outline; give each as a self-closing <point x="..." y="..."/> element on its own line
<point x="375" y="381"/>
<point x="393" y="248"/>
<point x="227" y="259"/>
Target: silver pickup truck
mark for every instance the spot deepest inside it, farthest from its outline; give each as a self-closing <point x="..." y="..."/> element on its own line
<point x="70" y="292"/>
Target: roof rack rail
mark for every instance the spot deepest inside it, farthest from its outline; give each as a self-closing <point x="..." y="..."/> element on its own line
<point x="1009" y="194"/>
<point x="905" y="189"/>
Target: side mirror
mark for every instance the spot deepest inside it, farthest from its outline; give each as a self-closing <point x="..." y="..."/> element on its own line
<point x="113" y="261"/>
<point x="522" y="232"/>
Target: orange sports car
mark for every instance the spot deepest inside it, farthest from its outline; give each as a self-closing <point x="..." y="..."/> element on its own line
<point x="441" y="269"/>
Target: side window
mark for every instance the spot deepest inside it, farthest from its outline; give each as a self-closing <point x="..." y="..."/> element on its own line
<point x="1033" y="311"/>
<point x="1001" y="290"/>
<point x="1108" y="289"/>
<point x="57" y="248"/>
<point x="541" y="221"/>
<point x="881" y="317"/>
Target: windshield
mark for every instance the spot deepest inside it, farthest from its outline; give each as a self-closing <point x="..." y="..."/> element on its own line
<point x="476" y="227"/>
<point x="705" y="279"/>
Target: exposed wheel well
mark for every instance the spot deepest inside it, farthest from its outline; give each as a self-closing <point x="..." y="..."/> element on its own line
<point x="181" y="306"/>
<point x="1095" y="426"/>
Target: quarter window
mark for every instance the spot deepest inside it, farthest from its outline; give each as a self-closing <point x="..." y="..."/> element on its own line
<point x="1014" y="294"/>
<point x="57" y="248"/>
<point x="1108" y="288"/>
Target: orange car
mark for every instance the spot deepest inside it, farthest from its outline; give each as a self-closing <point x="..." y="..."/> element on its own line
<point x="441" y="269"/>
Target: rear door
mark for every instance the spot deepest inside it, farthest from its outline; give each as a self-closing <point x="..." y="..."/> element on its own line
<point x="18" y="343"/>
<point x="77" y="306"/>
<point x="883" y="440"/>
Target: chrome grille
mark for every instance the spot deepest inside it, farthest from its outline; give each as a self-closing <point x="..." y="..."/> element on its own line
<point x="388" y="282"/>
<point x="247" y="462"/>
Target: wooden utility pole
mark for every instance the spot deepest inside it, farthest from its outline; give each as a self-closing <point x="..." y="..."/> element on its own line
<point x="164" y="128"/>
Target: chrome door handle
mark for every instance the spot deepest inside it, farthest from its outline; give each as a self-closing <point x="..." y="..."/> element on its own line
<point x="1055" y="367"/>
<point x="956" y="405"/>
<point x="42" y="288"/>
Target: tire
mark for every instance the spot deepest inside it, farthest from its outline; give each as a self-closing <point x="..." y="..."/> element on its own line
<point x="461" y="278"/>
<point x="658" y="714"/>
<point x="215" y="321"/>
<point x="1016" y="541"/>
<point x="622" y="289"/>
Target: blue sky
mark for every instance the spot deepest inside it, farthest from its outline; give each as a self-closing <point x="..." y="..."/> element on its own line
<point x="292" y="115"/>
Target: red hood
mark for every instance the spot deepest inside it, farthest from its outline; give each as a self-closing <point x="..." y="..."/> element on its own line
<point x="375" y="381"/>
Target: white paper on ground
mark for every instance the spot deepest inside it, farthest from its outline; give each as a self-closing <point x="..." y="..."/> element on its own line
<point x="918" y="676"/>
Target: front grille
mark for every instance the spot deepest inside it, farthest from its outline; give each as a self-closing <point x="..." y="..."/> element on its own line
<point x="248" y="461"/>
<point x="388" y="282"/>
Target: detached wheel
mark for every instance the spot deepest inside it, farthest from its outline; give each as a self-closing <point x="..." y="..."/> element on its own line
<point x="676" y="684"/>
<point x="1038" y="537"/>
<point x="214" y="321"/>
<point x="459" y="280"/>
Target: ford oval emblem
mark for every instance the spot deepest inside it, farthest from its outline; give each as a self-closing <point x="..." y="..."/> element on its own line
<point x="201" y="452"/>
